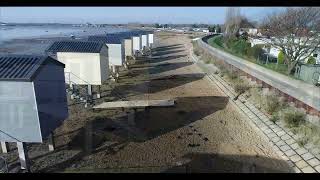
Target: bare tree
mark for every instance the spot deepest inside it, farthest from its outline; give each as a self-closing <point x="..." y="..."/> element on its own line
<point x="296" y="32"/>
<point x="232" y="22"/>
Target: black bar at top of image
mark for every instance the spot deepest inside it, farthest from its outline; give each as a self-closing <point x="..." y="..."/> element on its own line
<point x="159" y="3"/>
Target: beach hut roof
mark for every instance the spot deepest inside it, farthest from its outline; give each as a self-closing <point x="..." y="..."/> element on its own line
<point x="22" y="67"/>
<point x="108" y="38"/>
<point x="126" y="35"/>
<point x="137" y="33"/>
<point x="75" y="46"/>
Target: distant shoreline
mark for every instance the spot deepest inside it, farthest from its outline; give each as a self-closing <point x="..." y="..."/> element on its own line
<point x="37" y="44"/>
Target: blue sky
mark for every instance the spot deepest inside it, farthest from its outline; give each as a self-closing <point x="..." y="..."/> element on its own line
<point x="126" y="14"/>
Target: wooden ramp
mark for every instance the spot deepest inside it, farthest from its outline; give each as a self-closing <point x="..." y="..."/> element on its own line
<point x="134" y="104"/>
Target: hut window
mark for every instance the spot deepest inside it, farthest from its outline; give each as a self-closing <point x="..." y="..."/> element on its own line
<point x="315" y="55"/>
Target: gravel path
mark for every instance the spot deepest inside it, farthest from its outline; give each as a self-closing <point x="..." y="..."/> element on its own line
<point x="202" y="133"/>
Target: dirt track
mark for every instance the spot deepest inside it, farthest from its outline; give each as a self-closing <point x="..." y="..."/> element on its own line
<point x="202" y="133"/>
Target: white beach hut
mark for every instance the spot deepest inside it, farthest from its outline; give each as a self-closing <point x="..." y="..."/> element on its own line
<point x="128" y="45"/>
<point x="116" y="50"/>
<point x="144" y="41"/>
<point x="136" y="43"/>
<point x="127" y="38"/>
<point x="87" y="63"/>
<point x="150" y="39"/>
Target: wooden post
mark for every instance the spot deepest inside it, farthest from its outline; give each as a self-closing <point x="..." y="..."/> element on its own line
<point x="4" y="147"/>
<point x="72" y="90"/>
<point x="86" y="104"/>
<point x="23" y="156"/>
<point x="51" y="142"/>
<point x="89" y="95"/>
<point x="99" y="92"/>
<point x="89" y="89"/>
<point x="114" y="69"/>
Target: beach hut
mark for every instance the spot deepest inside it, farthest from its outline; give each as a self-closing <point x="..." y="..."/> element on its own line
<point x="136" y="43"/>
<point x="150" y="39"/>
<point x="144" y="41"/>
<point x="127" y="37"/>
<point x="33" y="100"/>
<point x="86" y="62"/>
<point x="116" y="50"/>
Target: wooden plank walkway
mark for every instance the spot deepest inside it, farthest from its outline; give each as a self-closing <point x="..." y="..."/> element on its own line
<point x="135" y="104"/>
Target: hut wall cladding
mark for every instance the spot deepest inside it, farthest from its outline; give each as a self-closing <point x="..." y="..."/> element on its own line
<point x="86" y="68"/>
<point x="150" y="39"/>
<point x="116" y="54"/>
<point x="51" y="98"/>
<point x="136" y="46"/>
<point x="18" y="112"/>
<point x="104" y="64"/>
<point x="29" y="111"/>
<point x="144" y="40"/>
<point x="128" y="47"/>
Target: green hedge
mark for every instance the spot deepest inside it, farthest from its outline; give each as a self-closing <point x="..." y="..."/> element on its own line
<point x="253" y="54"/>
<point x="255" y="51"/>
<point x="216" y="41"/>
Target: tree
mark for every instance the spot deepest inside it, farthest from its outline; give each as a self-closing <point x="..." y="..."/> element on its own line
<point x="212" y="28"/>
<point x="255" y="52"/>
<point x="218" y="28"/>
<point x="296" y="32"/>
<point x="243" y="36"/>
<point x="195" y="26"/>
<point x="232" y="22"/>
<point x="157" y="25"/>
<point x="246" y="23"/>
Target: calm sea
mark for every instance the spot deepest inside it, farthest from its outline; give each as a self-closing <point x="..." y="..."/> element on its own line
<point x="12" y="37"/>
<point x="8" y="33"/>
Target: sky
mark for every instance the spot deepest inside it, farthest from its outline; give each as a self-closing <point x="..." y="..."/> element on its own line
<point x="115" y="15"/>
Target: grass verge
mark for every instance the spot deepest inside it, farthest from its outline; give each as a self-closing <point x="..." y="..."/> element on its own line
<point x="268" y="101"/>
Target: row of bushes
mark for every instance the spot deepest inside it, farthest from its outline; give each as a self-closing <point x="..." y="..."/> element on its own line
<point x="274" y="105"/>
<point x="242" y="47"/>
